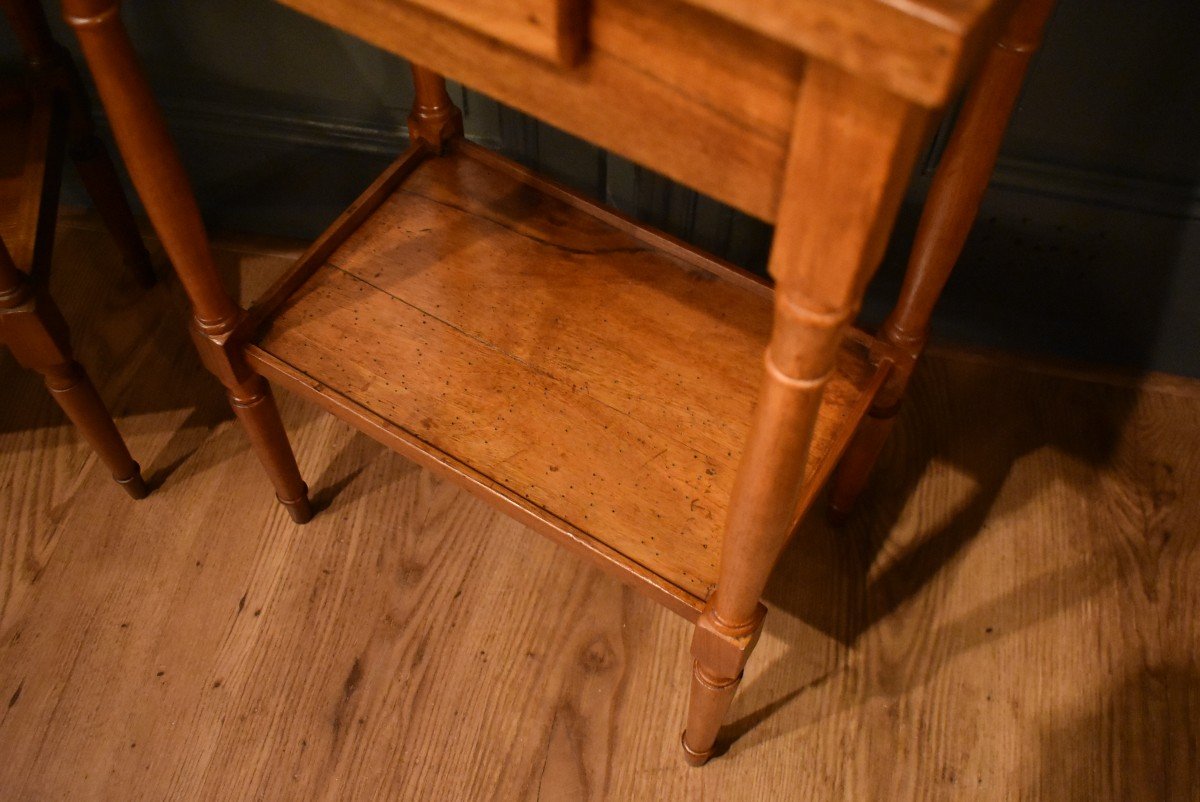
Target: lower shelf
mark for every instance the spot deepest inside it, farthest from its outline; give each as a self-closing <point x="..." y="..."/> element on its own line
<point x="594" y="378"/>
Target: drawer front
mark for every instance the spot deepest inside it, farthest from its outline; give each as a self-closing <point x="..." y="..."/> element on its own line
<point x="549" y="29"/>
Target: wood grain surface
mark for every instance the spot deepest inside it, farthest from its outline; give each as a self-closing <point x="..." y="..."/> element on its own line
<point x="732" y="91"/>
<point x="608" y="382"/>
<point x="1011" y="614"/>
<point x="551" y="29"/>
<point x="915" y="49"/>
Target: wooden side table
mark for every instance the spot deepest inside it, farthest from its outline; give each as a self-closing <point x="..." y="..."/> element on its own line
<point x="661" y="413"/>
<point x="39" y="123"/>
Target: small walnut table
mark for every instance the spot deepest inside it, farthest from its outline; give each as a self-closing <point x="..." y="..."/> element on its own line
<point x="653" y="409"/>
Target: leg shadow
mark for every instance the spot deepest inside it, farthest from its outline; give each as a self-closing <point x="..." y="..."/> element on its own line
<point x="963" y="428"/>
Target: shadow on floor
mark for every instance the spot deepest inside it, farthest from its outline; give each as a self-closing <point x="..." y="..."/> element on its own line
<point x="1137" y="744"/>
<point x="974" y="420"/>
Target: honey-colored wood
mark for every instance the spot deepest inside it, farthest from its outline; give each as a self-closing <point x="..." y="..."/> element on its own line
<point x="556" y="364"/>
<point x="555" y="358"/>
<point x="916" y="49"/>
<point x="731" y="88"/>
<point x="39" y="122"/>
<point x="950" y="210"/>
<point x="34" y="331"/>
<point x="1011" y="615"/>
<point x="550" y="29"/>
<point x="852" y="149"/>
<point x="166" y="193"/>
<point x="733" y="92"/>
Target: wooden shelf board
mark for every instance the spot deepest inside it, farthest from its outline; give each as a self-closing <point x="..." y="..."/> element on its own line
<point x="594" y="378"/>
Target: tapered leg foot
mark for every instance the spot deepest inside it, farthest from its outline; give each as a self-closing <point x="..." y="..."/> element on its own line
<point x="74" y="392"/>
<point x="720" y="651"/>
<point x="693" y="758"/>
<point x="710" y="700"/>
<point x="299" y="508"/>
<point x="34" y="330"/>
<point x="135" y="485"/>
<point x="159" y="177"/>
<point x="254" y="406"/>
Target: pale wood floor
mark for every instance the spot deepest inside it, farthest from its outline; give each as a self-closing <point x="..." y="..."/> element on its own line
<point x="1012" y="614"/>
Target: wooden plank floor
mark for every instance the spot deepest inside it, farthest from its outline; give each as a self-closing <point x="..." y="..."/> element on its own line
<point x="1012" y="614"/>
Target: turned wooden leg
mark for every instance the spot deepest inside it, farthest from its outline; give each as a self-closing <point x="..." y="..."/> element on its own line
<point x="859" y="460"/>
<point x="720" y="650"/>
<point x="433" y="119"/>
<point x="851" y="151"/>
<point x="34" y="330"/>
<point x="255" y="407"/>
<point x="950" y="210"/>
<point x="53" y="69"/>
<point x="160" y="180"/>
<point x="104" y="187"/>
<point x="72" y="390"/>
